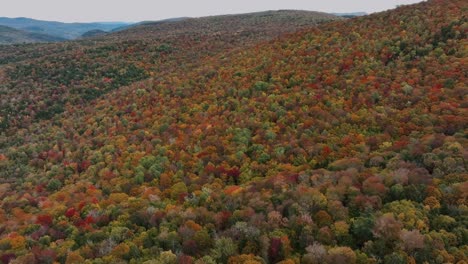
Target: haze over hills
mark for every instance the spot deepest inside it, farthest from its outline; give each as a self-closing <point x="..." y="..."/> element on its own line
<point x="350" y="15"/>
<point x="10" y="35"/>
<point x="240" y="139"/>
<point x="175" y="19"/>
<point x="77" y="30"/>
<point x="93" y="33"/>
<point x="57" y="29"/>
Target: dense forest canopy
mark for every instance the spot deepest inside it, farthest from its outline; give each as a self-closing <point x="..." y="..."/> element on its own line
<point x="342" y="143"/>
<point x="39" y="80"/>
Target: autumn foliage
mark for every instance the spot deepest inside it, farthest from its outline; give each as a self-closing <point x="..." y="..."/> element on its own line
<point x="342" y="143"/>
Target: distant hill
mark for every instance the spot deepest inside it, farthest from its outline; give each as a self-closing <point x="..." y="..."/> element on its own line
<point x="58" y="29"/>
<point x="263" y="23"/>
<point x="10" y="35"/>
<point x="350" y="15"/>
<point x="175" y="19"/>
<point x="93" y="33"/>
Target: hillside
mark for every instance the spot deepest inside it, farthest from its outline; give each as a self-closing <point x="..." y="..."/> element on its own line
<point x="13" y="36"/>
<point x="342" y="143"/>
<point x="57" y="29"/>
<point x="350" y="15"/>
<point x="175" y="19"/>
<point x="93" y="33"/>
<point x="260" y="23"/>
<point x="40" y="80"/>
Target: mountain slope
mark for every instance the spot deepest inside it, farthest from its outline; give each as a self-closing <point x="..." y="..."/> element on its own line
<point x="263" y="23"/>
<point x="344" y="143"/>
<point x="93" y="33"/>
<point x="13" y="36"/>
<point x="57" y="29"/>
<point x="350" y="15"/>
<point x="175" y="19"/>
<point x="40" y="81"/>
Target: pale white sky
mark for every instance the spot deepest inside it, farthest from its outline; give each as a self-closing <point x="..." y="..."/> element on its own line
<point x="139" y="10"/>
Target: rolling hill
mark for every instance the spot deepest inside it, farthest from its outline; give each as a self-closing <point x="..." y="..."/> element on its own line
<point x="41" y="80"/>
<point x="93" y="33"/>
<point x="350" y="15"/>
<point x="57" y="29"/>
<point x="13" y="36"/>
<point x="338" y="143"/>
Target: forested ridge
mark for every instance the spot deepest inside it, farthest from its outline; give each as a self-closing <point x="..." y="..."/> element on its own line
<point x="342" y="143"/>
<point x="39" y="80"/>
<point x="10" y="35"/>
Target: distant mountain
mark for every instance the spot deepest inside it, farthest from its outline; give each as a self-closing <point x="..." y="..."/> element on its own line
<point x="350" y="15"/>
<point x="93" y="33"/>
<point x="279" y="21"/>
<point x="10" y="35"/>
<point x="58" y="29"/>
<point x="174" y="19"/>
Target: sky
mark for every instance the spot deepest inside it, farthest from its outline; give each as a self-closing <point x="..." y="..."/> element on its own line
<point x="141" y="10"/>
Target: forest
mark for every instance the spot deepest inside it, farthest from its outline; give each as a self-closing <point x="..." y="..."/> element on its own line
<point x="321" y="140"/>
